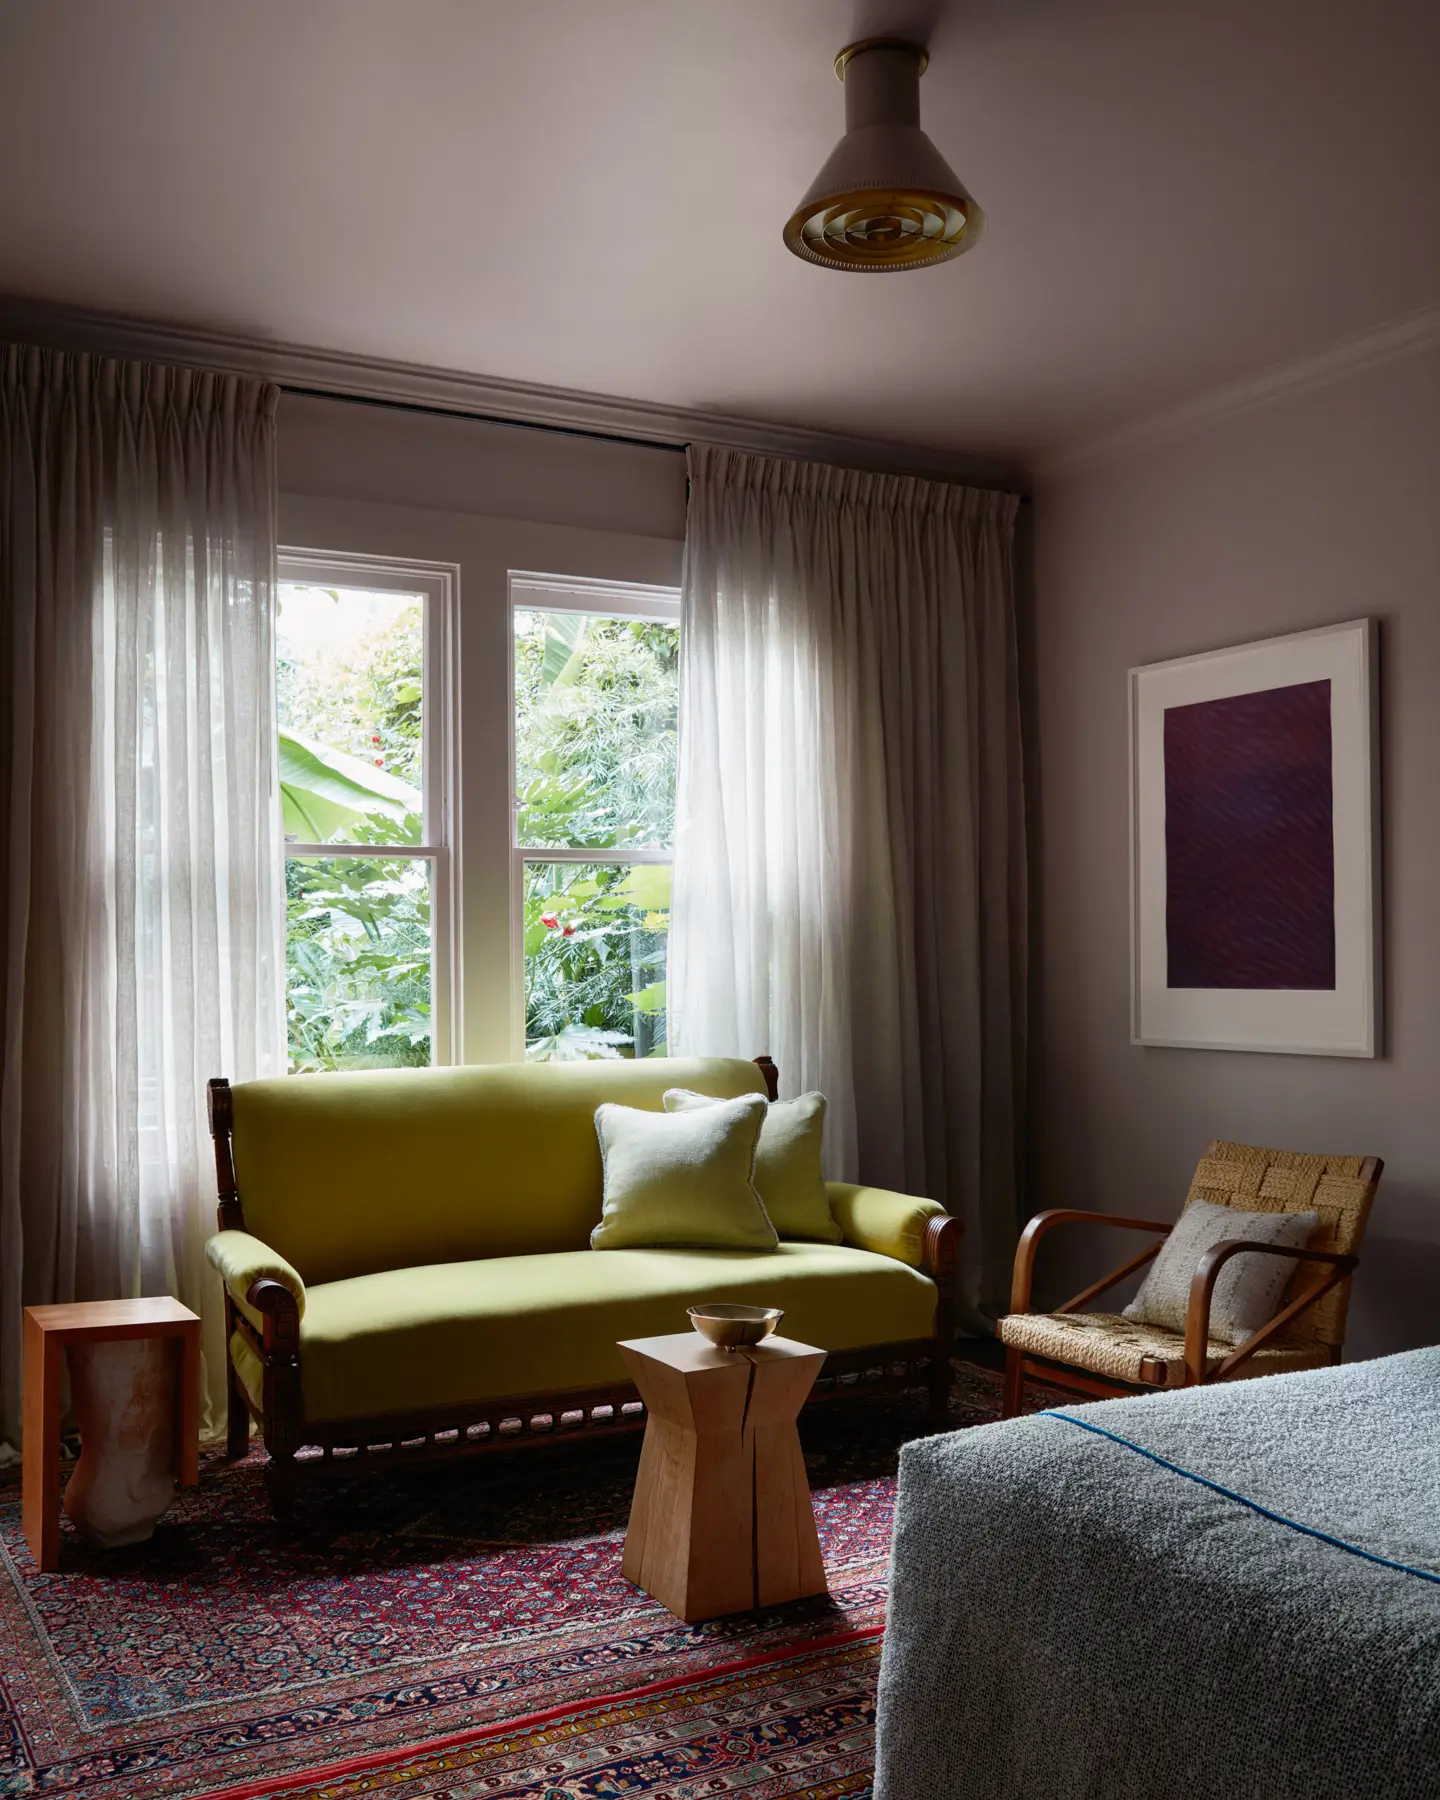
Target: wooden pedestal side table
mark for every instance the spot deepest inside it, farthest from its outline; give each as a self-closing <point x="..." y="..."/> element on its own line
<point x="721" y="1521"/>
<point x="48" y="1330"/>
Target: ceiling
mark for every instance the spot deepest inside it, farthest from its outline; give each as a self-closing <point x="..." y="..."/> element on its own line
<point x="589" y="194"/>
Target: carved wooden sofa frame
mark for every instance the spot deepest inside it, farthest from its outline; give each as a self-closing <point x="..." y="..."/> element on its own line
<point x="517" y="1419"/>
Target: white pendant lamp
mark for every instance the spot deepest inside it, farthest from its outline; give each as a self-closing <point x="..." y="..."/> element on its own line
<point x="886" y="199"/>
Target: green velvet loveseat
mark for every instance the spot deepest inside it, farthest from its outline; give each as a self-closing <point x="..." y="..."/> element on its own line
<point x="406" y="1263"/>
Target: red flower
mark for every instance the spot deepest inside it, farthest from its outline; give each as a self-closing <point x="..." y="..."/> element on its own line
<point x="379" y="762"/>
<point x="374" y="740"/>
<point x="549" y="921"/>
<point x="569" y="931"/>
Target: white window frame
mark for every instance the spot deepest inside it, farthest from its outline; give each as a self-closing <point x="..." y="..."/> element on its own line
<point x="439" y="586"/>
<point x="568" y="594"/>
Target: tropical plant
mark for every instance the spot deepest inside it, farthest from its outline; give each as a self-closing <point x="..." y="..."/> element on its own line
<point x="595" y="942"/>
<point x="325" y="794"/>
<point x="357" y="958"/>
<point x="595" y="739"/>
<point x="595" y="769"/>
<point x="358" y="943"/>
<point x="595" y="757"/>
<point x="357" y="940"/>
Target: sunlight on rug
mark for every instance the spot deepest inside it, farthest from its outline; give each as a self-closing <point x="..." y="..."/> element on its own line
<point x="425" y="1613"/>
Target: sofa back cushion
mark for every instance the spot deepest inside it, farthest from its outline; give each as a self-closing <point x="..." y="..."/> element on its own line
<point x="389" y="1169"/>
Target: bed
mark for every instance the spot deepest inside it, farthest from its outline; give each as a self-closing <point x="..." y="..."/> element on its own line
<point x="1226" y="1593"/>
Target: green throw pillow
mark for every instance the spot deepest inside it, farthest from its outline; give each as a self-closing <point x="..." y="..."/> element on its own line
<point x="787" y="1164"/>
<point x="682" y="1179"/>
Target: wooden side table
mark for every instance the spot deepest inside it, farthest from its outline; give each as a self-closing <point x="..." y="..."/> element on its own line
<point x="721" y="1521"/>
<point x="47" y="1330"/>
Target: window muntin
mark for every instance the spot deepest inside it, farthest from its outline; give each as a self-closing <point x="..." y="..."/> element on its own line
<point x="362" y="681"/>
<point x="596" y="681"/>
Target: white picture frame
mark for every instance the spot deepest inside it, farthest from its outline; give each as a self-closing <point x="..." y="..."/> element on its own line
<point x="1213" y="1011"/>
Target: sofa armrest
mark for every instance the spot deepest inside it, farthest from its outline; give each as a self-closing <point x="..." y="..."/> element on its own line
<point x="893" y="1225"/>
<point x="241" y="1261"/>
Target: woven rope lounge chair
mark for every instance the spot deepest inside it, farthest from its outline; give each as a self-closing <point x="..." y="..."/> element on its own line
<point x="1103" y="1354"/>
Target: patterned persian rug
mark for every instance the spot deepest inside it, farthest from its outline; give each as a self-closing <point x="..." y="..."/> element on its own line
<point x="446" y="1631"/>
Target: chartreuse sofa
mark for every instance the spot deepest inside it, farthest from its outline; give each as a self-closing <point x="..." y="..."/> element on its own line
<point x="407" y="1271"/>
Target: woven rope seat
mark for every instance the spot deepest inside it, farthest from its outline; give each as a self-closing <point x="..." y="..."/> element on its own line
<point x="1108" y="1344"/>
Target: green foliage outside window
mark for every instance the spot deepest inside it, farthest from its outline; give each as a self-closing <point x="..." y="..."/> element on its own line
<point x="357" y="940"/>
<point x="357" y="963"/>
<point x="595" y="765"/>
<point x="595" y="737"/>
<point x="595" y="940"/>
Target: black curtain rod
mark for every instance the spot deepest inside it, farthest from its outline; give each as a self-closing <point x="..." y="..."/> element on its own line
<point x="449" y="412"/>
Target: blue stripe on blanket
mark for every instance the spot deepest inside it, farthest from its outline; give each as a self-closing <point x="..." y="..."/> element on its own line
<point x="1229" y="1493"/>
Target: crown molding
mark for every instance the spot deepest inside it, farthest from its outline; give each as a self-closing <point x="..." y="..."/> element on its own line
<point x="343" y="375"/>
<point x="1398" y="338"/>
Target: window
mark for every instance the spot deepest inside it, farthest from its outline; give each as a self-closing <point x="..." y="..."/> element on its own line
<point x="363" y="689"/>
<point x="596" y="672"/>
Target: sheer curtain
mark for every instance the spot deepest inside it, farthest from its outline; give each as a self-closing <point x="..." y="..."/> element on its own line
<point x="850" y="853"/>
<point x="140" y="912"/>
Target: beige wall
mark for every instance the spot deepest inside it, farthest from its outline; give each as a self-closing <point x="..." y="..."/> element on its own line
<point x="488" y="499"/>
<point x="1323" y="507"/>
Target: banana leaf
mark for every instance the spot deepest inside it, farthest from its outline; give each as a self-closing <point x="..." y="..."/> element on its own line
<point x="322" y="791"/>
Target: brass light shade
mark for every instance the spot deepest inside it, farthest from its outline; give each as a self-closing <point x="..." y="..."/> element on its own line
<point x="886" y="198"/>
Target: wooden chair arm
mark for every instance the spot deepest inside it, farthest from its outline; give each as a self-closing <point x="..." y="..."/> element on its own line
<point x="1202" y="1293"/>
<point x="1025" y="1250"/>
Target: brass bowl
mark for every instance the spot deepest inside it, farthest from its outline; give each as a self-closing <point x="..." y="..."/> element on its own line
<point x="733" y="1327"/>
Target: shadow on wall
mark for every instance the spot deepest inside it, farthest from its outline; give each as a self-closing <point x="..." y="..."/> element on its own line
<point x="1396" y="1302"/>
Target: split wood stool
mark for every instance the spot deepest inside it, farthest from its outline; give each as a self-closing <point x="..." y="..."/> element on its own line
<point x="722" y="1521"/>
<point x="47" y="1330"/>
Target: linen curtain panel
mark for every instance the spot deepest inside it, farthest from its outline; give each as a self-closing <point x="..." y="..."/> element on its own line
<point x="850" y="851"/>
<point x="140" y="910"/>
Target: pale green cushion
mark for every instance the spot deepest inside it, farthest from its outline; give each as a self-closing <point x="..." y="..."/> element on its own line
<point x="475" y="1331"/>
<point x="788" y="1175"/>
<point x="682" y="1179"/>
<point x="384" y="1168"/>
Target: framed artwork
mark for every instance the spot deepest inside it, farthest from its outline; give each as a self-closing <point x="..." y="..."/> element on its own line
<point x="1254" y="846"/>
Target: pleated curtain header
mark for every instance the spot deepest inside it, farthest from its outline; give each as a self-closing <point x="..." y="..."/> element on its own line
<point x="719" y="472"/>
<point x="30" y="376"/>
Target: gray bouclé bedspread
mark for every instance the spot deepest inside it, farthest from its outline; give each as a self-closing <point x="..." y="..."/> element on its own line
<point x="1075" y="1611"/>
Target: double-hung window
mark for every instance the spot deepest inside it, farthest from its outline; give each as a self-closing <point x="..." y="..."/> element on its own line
<point x="596" y="670"/>
<point x="363" y="692"/>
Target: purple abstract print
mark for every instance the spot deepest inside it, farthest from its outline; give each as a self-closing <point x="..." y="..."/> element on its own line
<point x="1249" y="841"/>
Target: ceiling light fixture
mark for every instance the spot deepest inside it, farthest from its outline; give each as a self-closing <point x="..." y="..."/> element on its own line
<point x="886" y="199"/>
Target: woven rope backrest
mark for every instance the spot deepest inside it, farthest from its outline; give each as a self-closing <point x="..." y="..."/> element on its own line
<point x="1257" y="1180"/>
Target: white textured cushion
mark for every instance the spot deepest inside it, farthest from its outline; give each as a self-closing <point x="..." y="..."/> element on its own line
<point x="1248" y="1290"/>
